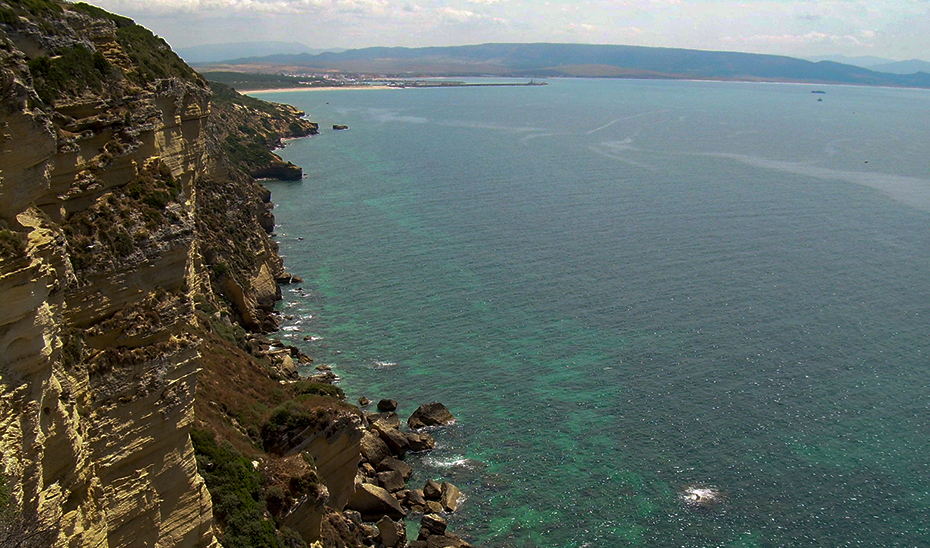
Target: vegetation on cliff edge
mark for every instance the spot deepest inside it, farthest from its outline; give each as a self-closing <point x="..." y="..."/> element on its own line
<point x="235" y="486"/>
<point x="120" y="221"/>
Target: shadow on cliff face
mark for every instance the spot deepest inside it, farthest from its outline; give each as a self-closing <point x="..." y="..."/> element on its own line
<point x="19" y="529"/>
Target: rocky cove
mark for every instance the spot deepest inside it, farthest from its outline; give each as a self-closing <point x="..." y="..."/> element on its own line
<point x="143" y="398"/>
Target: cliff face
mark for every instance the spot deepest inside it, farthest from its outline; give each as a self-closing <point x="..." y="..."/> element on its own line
<point x="115" y="219"/>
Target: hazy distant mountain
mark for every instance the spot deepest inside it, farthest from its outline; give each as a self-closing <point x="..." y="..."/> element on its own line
<point x="212" y="53"/>
<point x="551" y="60"/>
<point x="904" y="67"/>
<point x="864" y="61"/>
<point x="879" y="64"/>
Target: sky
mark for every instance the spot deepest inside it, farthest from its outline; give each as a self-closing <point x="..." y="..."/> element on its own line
<point x="894" y="29"/>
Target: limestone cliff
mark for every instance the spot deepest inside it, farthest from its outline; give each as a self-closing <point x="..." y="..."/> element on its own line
<point x="116" y="217"/>
<point x="142" y="402"/>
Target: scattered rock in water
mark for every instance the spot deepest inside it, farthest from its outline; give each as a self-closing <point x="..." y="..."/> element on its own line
<point x="430" y="414"/>
<point x="420" y="441"/>
<point x="364" y="402"/>
<point x="289" y="278"/>
<point x="324" y="367"/>
<point x="339" y="127"/>
<point x="387" y="405"/>
<point x="701" y="496"/>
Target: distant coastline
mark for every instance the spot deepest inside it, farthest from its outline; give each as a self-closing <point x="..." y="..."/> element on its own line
<point x="313" y="88"/>
<point x="413" y="84"/>
<point x="554" y="60"/>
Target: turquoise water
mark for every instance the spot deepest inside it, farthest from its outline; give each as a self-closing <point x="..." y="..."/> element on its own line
<point x="621" y="288"/>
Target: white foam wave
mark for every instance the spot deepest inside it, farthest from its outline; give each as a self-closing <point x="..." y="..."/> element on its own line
<point x="456" y="461"/>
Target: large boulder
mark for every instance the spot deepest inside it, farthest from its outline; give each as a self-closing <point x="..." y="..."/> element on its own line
<point x="389" y="419"/>
<point x="432" y="490"/>
<point x="391" y="464"/>
<point x="387" y="405"/>
<point x="392" y="436"/>
<point x="430" y="414"/>
<point x="373" y="449"/>
<point x="433" y="532"/>
<point x="392" y="481"/>
<point x="449" y="497"/>
<point x="391" y="534"/>
<point x="374" y="502"/>
<point x="432" y="524"/>
<point x="415" y="498"/>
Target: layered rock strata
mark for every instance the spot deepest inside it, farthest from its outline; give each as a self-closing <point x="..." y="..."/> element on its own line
<point x="106" y="163"/>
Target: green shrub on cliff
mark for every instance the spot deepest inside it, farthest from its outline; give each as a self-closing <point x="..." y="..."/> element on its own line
<point x="72" y="73"/>
<point x="103" y="232"/>
<point x="235" y="487"/>
<point x="290" y="415"/>
<point x="252" y="153"/>
<point x="318" y="389"/>
<point x="34" y="7"/>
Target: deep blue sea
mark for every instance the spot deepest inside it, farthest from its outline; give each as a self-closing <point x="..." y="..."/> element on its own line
<point x="625" y="288"/>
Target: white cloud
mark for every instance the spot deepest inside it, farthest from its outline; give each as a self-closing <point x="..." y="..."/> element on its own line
<point x="764" y="26"/>
<point x="793" y="39"/>
<point x="458" y="16"/>
<point x="361" y="7"/>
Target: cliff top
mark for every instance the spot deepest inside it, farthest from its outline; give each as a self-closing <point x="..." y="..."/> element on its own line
<point x="76" y="50"/>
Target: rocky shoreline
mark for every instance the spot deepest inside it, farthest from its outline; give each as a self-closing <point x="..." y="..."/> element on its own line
<point x="382" y="495"/>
